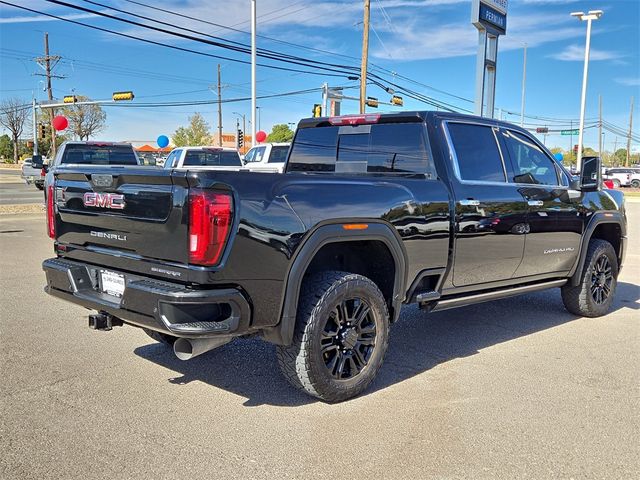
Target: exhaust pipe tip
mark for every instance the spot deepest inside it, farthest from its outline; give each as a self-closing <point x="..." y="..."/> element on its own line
<point x="187" y="348"/>
<point x="183" y="349"/>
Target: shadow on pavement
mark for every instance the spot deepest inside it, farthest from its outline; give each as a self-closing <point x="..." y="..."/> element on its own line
<point x="419" y="342"/>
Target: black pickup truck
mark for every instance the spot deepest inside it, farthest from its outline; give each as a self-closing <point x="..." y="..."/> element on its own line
<point x="373" y="212"/>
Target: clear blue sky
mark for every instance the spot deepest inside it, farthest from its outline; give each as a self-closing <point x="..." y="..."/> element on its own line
<point x="429" y="41"/>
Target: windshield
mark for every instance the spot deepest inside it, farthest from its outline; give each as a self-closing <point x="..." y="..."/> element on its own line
<point x="95" y="154"/>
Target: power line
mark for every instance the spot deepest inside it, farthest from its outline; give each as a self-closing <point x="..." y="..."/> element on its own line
<point x="173" y="47"/>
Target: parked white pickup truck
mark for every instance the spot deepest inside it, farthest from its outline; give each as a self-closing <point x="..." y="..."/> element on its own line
<point x="32" y="175"/>
<point x="209" y="158"/>
<point x="267" y="157"/>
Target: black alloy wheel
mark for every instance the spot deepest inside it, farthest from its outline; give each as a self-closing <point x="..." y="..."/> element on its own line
<point x="348" y="338"/>
<point x="601" y="280"/>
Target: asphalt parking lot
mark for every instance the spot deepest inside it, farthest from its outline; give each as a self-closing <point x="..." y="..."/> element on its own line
<point x="517" y="388"/>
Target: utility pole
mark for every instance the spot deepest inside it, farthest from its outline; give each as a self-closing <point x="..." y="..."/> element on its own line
<point x="524" y="84"/>
<point x="219" y="109"/>
<point x="365" y="55"/>
<point x="35" y="126"/>
<point x="48" y="62"/>
<point x="253" y="70"/>
<point x="626" y="163"/>
<point x="600" y="127"/>
<point x="615" y="148"/>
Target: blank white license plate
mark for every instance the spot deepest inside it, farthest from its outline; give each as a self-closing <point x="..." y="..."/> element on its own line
<point x="112" y="283"/>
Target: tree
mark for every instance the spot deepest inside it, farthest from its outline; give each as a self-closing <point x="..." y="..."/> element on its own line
<point x="196" y="134"/>
<point x="6" y="147"/>
<point x="280" y="133"/>
<point x="620" y="156"/>
<point x="14" y="114"/>
<point x="85" y="120"/>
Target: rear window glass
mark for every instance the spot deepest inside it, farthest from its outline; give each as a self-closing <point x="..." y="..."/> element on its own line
<point x="93" y="154"/>
<point x="278" y="154"/>
<point x="477" y="152"/>
<point x="380" y="148"/>
<point x="211" y="158"/>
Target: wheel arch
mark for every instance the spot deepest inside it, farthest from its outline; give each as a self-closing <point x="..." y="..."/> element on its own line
<point x="326" y="239"/>
<point x="609" y="226"/>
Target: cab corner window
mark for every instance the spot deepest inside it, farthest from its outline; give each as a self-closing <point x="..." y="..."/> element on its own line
<point x="477" y="152"/>
<point x="530" y="164"/>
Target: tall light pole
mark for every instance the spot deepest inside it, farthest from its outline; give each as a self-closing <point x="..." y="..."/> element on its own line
<point x="588" y="17"/>
<point x="524" y="84"/>
<point x="253" y="72"/>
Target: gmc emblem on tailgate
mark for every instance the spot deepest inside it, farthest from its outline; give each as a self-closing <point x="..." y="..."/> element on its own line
<point x="114" y="201"/>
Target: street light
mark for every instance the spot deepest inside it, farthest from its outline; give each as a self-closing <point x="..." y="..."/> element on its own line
<point x="588" y="17"/>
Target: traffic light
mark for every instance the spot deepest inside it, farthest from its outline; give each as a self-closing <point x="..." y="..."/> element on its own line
<point x="317" y="110"/>
<point x="396" y="100"/>
<point x="120" y="96"/>
<point x="240" y="138"/>
<point x="70" y="99"/>
<point x="42" y="130"/>
<point x="575" y="149"/>
<point x="372" y="102"/>
<point x="542" y="130"/>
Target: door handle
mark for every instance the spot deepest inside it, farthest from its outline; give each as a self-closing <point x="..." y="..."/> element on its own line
<point x="535" y="203"/>
<point x="469" y="202"/>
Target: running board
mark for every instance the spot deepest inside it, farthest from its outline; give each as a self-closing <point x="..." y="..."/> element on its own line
<point x="448" y="303"/>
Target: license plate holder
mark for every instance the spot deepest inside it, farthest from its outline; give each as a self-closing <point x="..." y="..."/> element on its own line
<point x="112" y="283"/>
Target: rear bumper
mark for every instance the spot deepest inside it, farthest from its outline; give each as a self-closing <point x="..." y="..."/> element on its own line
<point x="162" y="306"/>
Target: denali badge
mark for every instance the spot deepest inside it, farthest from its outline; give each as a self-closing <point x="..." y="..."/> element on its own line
<point x="109" y="236"/>
<point x="102" y="180"/>
<point x="114" y="201"/>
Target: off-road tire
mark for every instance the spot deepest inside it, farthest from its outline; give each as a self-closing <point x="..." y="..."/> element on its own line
<point x="579" y="300"/>
<point x="163" y="338"/>
<point x="304" y="364"/>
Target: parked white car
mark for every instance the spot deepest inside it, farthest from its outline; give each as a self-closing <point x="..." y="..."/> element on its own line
<point x="209" y="158"/>
<point x="267" y="157"/>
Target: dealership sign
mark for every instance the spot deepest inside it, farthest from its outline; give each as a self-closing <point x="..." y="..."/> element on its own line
<point x="490" y="15"/>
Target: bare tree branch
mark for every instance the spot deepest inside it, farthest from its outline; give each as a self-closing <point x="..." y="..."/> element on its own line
<point x="85" y="120"/>
<point x="14" y="114"/>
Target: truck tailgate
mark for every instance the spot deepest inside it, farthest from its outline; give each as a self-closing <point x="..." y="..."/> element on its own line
<point x="134" y="210"/>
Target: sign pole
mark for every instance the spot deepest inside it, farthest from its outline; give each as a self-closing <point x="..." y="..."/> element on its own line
<point x="490" y="18"/>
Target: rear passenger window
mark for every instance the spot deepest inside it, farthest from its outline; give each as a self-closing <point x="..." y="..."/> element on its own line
<point x="378" y="148"/>
<point x="477" y="152"/>
<point x="530" y="164"/>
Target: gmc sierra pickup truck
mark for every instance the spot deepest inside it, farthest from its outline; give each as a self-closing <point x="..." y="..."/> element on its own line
<point x="373" y="212"/>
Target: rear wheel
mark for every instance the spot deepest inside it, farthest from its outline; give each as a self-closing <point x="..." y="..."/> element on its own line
<point x="594" y="295"/>
<point x="635" y="183"/>
<point x="340" y="338"/>
<point x="616" y="183"/>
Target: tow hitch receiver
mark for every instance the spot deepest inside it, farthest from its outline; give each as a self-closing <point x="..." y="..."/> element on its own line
<point x="104" y="322"/>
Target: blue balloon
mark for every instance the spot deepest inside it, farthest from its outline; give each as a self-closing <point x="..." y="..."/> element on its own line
<point x="559" y="156"/>
<point x="163" y="141"/>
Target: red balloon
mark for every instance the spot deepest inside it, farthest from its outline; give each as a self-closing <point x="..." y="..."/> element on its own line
<point x="261" y="136"/>
<point x="60" y="123"/>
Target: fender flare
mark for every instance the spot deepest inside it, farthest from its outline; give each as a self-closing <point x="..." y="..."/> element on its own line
<point x="324" y="234"/>
<point x="599" y="218"/>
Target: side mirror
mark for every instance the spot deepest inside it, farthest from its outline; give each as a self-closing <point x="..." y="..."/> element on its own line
<point x="590" y="176"/>
<point x="37" y="162"/>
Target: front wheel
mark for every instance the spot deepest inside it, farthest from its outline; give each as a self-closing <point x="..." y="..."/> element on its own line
<point x="340" y="338"/>
<point x="635" y="183"/>
<point x="593" y="296"/>
<point x="616" y="183"/>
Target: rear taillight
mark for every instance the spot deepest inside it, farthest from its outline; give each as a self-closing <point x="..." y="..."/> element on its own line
<point x="364" y="119"/>
<point x="210" y="218"/>
<point x="51" y="214"/>
<point x="43" y="172"/>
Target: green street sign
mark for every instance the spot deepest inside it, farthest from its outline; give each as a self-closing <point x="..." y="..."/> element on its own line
<point x="569" y="132"/>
